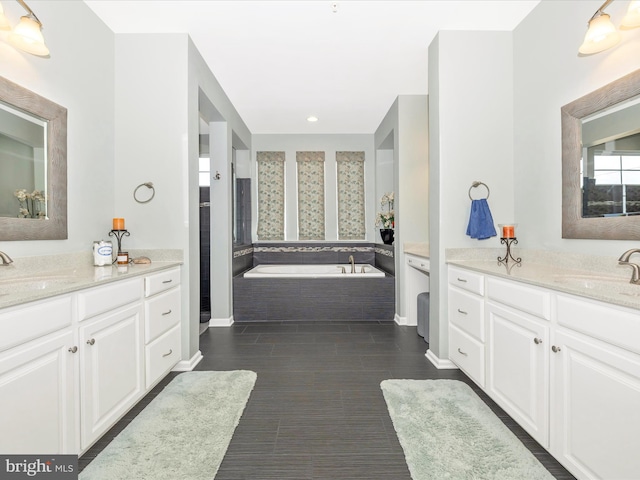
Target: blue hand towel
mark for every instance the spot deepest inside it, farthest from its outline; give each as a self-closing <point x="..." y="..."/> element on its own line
<point x="480" y="220"/>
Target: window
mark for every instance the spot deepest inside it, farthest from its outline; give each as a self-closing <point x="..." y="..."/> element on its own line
<point x="350" y="174"/>
<point x="310" y="195"/>
<point x="270" y="195"/>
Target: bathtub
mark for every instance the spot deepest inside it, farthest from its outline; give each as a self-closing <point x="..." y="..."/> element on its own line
<point x="314" y="271"/>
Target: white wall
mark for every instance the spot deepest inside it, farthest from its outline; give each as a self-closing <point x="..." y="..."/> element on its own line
<point x="79" y="75"/>
<point x="471" y="138"/>
<point x="330" y="144"/>
<point x="406" y="124"/>
<point x="548" y="73"/>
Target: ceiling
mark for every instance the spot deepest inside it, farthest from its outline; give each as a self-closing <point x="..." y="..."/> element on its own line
<point x="342" y="61"/>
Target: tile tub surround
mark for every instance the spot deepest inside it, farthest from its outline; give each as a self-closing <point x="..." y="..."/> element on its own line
<point x="385" y="258"/>
<point x="590" y="276"/>
<point x="34" y="278"/>
<point x="242" y="259"/>
<point x="312" y="252"/>
<point x="313" y="299"/>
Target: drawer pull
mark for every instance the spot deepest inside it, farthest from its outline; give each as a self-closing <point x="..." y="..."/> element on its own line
<point x="91" y="341"/>
<point x="463" y="280"/>
<point x="167" y="281"/>
<point x="73" y="349"/>
<point x="462" y="312"/>
<point x="555" y="349"/>
<point x="167" y="354"/>
<point x="461" y="352"/>
<point x="166" y="313"/>
<point x="537" y="341"/>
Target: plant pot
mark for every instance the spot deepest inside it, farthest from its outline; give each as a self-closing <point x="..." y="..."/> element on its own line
<point x="387" y="235"/>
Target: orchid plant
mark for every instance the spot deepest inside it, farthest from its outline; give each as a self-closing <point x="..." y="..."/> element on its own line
<point x="32" y="205"/>
<point x="386" y="218"/>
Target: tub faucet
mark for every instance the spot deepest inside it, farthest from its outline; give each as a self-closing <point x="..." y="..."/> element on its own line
<point x="624" y="260"/>
<point x="353" y="264"/>
<point x="6" y="259"/>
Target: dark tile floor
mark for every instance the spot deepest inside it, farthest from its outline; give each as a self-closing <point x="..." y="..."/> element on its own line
<point x="317" y="411"/>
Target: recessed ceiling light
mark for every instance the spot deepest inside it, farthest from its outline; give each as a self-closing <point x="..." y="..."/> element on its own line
<point x="312" y="119"/>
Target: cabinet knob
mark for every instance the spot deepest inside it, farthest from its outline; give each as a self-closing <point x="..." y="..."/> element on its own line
<point x="463" y="280"/>
<point x="537" y="341"/>
<point x="167" y="354"/>
<point x="91" y="341"/>
<point x="555" y="349"/>
<point x="73" y="349"/>
<point x="461" y="352"/>
<point x="166" y="313"/>
<point x="462" y="312"/>
<point x="167" y="281"/>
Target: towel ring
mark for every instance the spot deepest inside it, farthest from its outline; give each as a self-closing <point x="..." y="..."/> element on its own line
<point x="477" y="184"/>
<point x="148" y="185"/>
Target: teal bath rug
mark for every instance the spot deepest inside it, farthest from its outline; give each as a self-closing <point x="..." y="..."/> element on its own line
<point x="182" y="434"/>
<point x="448" y="432"/>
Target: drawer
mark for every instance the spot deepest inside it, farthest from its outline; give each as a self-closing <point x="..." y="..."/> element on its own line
<point x="162" y="355"/>
<point x="616" y="325"/>
<point x="23" y="323"/>
<point x="522" y="297"/>
<point x="419" y="263"/>
<point x="466" y="311"/>
<point x="102" y="299"/>
<point x="161" y="312"/>
<point x="470" y="281"/>
<point x="161" y="281"/>
<point x="467" y="353"/>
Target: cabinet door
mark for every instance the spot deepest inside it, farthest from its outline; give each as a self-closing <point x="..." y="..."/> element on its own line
<point x="518" y="368"/>
<point x="111" y="369"/>
<point x="38" y="409"/>
<point x="595" y="408"/>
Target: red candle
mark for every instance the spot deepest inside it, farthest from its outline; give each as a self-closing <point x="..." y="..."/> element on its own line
<point x="118" y="223"/>
<point x="508" y="231"/>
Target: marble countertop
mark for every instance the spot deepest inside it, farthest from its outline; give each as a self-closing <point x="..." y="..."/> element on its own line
<point x="417" y="249"/>
<point x="611" y="286"/>
<point x="37" y="278"/>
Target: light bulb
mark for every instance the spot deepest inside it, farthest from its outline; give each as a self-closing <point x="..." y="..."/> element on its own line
<point x="602" y="34"/>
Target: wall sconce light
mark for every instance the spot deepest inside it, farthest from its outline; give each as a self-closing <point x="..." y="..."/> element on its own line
<point x="632" y="18"/>
<point x="602" y="33"/>
<point x="27" y="35"/>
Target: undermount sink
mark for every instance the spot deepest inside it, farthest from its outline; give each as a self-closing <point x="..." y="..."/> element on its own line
<point x="35" y="283"/>
<point x="606" y="283"/>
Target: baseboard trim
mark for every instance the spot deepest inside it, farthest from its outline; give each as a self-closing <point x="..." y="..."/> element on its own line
<point x="221" y="322"/>
<point x="400" y="320"/>
<point x="439" y="363"/>
<point x="188" y="365"/>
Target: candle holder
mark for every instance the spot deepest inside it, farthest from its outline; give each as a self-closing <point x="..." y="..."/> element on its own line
<point x="508" y="255"/>
<point x="119" y="234"/>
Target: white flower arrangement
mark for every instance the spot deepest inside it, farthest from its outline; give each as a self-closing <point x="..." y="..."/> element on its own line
<point x="386" y="219"/>
<point x="32" y="205"/>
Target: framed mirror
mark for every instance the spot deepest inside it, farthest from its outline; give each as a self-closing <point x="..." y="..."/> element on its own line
<point x="601" y="163"/>
<point x="33" y="165"/>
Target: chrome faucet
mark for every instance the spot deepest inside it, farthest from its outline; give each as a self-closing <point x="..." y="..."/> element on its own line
<point x="624" y="260"/>
<point x="6" y="259"/>
<point x="353" y="264"/>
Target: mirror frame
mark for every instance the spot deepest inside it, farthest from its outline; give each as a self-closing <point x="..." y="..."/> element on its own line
<point x="54" y="227"/>
<point x="573" y="224"/>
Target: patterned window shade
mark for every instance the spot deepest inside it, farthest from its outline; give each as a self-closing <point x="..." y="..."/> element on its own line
<point x="351" y="221"/>
<point x="310" y="195"/>
<point x="270" y="195"/>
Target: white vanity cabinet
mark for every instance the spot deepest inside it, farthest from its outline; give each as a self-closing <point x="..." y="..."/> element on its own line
<point x="566" y="368"/>
<point x="162" y="324"/>
<point x="111" y="363"/>
<point x="72" y="365"/>
<point x="595" y="394"/>
<point x="518" y="353"/>
<point x="466" y="323"/>
<point x="38" y="379"/>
